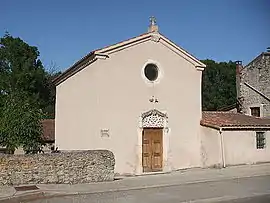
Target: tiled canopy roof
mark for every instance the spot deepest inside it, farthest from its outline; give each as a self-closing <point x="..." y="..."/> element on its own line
<point x="218" y="120"/>
<point x="48" y="126"/>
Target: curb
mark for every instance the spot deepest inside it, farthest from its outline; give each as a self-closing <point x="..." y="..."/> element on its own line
<point x="22" y="197"/>
<point x="63" y="193"/>
<point x="46" y="193"/>
<point x="165" y="185"/>
<point x="228" y="198"/>
<point x="34" y="196"/>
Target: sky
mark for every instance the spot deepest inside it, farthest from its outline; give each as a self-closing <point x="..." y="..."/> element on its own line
<point x="64" y="31"/>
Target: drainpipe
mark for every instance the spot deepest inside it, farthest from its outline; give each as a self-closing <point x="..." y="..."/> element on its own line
<point x="222" y="148"/>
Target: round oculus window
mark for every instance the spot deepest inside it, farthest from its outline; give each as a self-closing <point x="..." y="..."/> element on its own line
<point x="151" y="72"/>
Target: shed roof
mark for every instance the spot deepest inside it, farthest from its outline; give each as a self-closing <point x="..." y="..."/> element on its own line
<point x="230" y="120"/>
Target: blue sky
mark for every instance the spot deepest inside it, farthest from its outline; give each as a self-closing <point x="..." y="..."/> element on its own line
<point x="64" y="31"/>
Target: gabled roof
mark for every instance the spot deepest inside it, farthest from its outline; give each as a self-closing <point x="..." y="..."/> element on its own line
<point x="105" y="51"/>
<point x="256" y="59"/>
<point x="230" y="120"/>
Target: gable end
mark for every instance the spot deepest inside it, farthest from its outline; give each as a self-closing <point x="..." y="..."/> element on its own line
<point x="103" y="53"/>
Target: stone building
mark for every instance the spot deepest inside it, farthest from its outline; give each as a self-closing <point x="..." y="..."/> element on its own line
<point x="253" y="86"/>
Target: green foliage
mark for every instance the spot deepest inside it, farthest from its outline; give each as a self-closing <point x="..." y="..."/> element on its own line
<point x="218" y="85"/>
<point x="49" y="107"/>
<point x="26" y="95"/>
<point x="21" y="70"/>
<point x="20" y="123"/>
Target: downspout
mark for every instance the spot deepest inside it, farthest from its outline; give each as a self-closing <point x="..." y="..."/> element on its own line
<point x="222" y="148"/>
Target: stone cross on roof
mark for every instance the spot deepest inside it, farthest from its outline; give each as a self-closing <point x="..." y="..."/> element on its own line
<point x="153" y="21"/>
<point x="153" y="25"/>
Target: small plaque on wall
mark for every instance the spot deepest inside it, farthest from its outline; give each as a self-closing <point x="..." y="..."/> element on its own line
<point x="104" y="133"/>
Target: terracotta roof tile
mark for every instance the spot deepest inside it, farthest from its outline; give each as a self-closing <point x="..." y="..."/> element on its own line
<point x="48" y="126"/>
<point x="229" y="119"/>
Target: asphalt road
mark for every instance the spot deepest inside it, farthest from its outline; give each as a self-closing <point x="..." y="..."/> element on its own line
<point x="257" y="189"/>
<point x="256" y="199"/>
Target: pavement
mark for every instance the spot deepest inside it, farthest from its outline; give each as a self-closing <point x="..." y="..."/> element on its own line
<point x="122" y="184"/>
<point x="251" y="189"/>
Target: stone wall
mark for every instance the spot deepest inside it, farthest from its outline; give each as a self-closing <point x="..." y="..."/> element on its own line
<point x="256" y="74"/>
<point x="67" y="167"/>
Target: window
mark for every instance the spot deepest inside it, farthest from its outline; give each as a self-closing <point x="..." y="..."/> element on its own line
<point x="260" y="140"/>
<point x="255" y="111"/>
<point x="151" y="72"/>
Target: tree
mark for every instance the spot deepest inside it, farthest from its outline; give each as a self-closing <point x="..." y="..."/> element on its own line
<point x="49" y="108"/>
<point x="26" y="92"/>
<point x="21" y="70"/>
<point x="218" y="85"/>
<point x="20" y="123"/>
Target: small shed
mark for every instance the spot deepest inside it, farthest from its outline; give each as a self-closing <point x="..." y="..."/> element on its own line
<point x="229" y="138"/>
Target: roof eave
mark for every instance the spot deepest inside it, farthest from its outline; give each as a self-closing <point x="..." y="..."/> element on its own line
<point x="101" y="53"/>
<point x="216" y="127"/>
<point x="122" y="44"/>
<point x="198" y="64"/>
<point x="73" y="69"/>
<point x="97" y="54"/>
<point x="233" y="128"/>
<point x="245" y="127"/>
<point x="200" y="68"/>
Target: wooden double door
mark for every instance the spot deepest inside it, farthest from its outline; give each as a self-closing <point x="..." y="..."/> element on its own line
<point x="152" y="149"/>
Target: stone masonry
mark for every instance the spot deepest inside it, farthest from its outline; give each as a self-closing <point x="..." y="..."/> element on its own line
<point x="58" y="168"/>
<point x="254" y="86"/>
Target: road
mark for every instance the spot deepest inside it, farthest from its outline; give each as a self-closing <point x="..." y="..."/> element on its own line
<point x="256" y="199"/>
<point x="257" y="189"/>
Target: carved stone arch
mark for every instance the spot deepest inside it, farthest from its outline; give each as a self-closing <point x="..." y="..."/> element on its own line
<point x="154" y="119"/>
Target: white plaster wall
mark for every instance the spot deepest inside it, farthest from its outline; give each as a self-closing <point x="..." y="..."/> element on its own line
<point x="240" y="148"/>
<point x="19" y="151"/>
<point x="111" y="94"/>
<point x="211" y="153"/>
